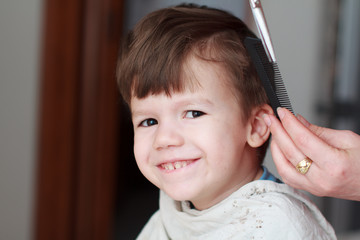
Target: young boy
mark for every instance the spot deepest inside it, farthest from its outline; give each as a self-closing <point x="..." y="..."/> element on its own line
<point x="197" y="107"/>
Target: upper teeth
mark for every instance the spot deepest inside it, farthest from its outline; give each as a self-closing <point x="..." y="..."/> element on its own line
<point x="175" y="165"/>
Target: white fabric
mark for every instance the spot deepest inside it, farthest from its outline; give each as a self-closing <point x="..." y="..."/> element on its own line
<point x="259" y="210"/>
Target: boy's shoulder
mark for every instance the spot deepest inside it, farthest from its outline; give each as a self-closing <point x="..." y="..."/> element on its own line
<point x="277" y="206"/>
<point x="260" y="209"/>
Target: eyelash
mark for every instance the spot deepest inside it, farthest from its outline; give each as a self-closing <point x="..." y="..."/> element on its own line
<point x="151" y="121"/>
<point x="194" y="114"/>
<point x="146" y="122"/>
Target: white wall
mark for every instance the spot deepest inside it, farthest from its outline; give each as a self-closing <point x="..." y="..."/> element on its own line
<point x="19" y="54"/>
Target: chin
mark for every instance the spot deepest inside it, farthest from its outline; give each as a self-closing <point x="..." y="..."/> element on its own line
<point x="180" y="195"/>
<point x="177" y="196"/>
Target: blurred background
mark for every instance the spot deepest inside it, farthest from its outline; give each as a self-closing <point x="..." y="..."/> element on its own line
<point x="66" y="164"/>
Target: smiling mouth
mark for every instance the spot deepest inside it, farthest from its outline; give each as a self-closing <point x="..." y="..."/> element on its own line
<point x="176" y="164"/>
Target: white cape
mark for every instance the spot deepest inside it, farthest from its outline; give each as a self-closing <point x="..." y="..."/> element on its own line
<point x="259" y="210"/>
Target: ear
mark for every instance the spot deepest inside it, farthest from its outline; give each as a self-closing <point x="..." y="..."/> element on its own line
<point x="257" y="130"/>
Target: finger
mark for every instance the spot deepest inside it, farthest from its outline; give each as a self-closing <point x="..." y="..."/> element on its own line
<point x="336" y="138"/>
<point x="303" y="120"/>
<point x="286" y="145"/>
<point x="291" y="176"/>
<point x="285" y="168"/>
<point x="306" y="141"/>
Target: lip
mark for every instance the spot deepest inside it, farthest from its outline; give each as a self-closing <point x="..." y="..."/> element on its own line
<point x="176" y="164"/>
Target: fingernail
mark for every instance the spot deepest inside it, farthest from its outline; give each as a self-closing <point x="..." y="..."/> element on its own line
<point x="267" y="119"/>
<point x="280" y="112"/>
<point x="303" y="120"/>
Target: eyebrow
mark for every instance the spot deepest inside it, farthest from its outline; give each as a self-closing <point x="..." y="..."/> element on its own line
<point x="195" y="101"/>
<point x="191" y="101"/>
<point x="138" y="113"/>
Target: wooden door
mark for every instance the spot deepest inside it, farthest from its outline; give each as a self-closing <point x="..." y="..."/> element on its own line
<point x="78" y="120"/>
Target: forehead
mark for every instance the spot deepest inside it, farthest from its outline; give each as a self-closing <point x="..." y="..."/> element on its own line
<point x="199" y="73"/>
<point x="193" y="73"/>
<point x="201" y="79"/>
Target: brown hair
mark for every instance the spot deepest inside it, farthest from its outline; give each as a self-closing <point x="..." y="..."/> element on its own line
<point x="152" y="56"/>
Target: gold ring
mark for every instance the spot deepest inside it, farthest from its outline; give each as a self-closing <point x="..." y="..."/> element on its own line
<point x="304" y="165"/>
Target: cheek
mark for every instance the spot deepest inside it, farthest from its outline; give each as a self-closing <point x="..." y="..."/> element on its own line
<point x="227" y="142"/>
<point x="140" y="150"/>
<point x="141" y="158"/>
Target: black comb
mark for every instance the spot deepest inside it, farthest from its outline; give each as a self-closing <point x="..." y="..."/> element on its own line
<point x="263" y="56"/>
<point x="269" y="74"/>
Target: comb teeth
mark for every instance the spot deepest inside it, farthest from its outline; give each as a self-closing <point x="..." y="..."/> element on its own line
<point x="280" y="89"/>
<point x="269" y="75"/>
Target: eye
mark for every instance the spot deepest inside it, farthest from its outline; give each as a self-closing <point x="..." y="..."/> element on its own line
<point x="193" y="114"/>
<point x="148" y="122"/>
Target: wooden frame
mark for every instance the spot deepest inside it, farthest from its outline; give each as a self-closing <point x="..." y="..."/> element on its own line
<point x="78" y="130"/>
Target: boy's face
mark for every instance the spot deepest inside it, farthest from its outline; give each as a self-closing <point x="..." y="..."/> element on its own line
<point x="193" y="145"/>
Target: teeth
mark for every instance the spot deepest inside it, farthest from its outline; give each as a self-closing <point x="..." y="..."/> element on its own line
<point x="175" y="165"/>
<point x="168" y="166"/>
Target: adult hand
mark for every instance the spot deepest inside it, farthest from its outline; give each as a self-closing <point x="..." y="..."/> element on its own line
<point x="335" y="155"/>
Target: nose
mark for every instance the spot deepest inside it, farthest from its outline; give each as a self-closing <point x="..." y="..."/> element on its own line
<point x="168" y="135"/>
